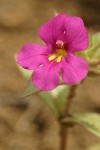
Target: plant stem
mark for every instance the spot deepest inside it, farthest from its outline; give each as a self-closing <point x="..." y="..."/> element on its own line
<point x="63" y="128"/>
<point x="70" y="99"/>
<point x="63" y="135"/>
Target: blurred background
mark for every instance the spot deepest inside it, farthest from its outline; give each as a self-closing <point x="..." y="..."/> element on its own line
<point x="28" y="124"/>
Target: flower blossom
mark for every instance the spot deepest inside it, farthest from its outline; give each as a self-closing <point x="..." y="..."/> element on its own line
<point x="64" y="35"/>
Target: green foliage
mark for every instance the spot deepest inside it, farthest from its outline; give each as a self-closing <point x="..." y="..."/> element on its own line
<point x="93" y="51"/>
<point x="93" y="72"/>
<point x="62" y="94"/>
<point x="54" y="99"/>
<point x="48" y="99"/>
<point x="96" y="38"/>
<point x="81" y="54"/>
<point x="90" y="121"/>
<point x="92" y="55"/>
<point x="31" y="89"/>
<point x="95" y="147"/>
<point x="26" y="73"/>
<point x="57" y="96"/>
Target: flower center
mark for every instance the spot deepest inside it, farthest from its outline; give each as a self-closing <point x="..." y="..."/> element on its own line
<point x="60" y="52"/>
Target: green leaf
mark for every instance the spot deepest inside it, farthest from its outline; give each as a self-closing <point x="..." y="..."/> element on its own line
<point x="95" y="147"/>
<point x="94" y="51"/>
<point x="50" y="102"/>
<point x="90" y="121"/>
<point x="62" y="96"/>
<point x="94" y="72"/>
<point x="31" y="89"/>
<point x="82" y="54"/>
<point x="96" y="38"/>
<point x="55" y="99"/>
<point x="26" y="73"/>
<point x="90" y="40"/>
<point x="94" y="48"/>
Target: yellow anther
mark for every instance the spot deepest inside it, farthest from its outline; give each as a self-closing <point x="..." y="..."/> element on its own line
<point x="52" y="57"/>
<point x="59" y="58"/>
<point x="58" y="55"/>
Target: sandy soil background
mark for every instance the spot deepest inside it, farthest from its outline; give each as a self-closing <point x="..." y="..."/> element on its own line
<point x="29" y="124"/>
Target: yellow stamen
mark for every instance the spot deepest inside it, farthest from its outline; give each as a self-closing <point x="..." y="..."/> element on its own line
<point x="58" y="55"/>
<point x="59" y="58"/>
<point x="52" y="57"/>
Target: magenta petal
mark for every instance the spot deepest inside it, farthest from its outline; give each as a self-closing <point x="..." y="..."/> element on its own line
<point x="32" y="55"/>
<point x="47" y="77"/>
<point x="53" y="29"/>
<point x="76" y="34"/>
<point x="74" y="69"/>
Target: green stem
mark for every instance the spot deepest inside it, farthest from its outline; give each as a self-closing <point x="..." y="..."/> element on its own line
<point x="70" y="99"/>
<point x="63" y="135"/>
<point x="63" y="128"/>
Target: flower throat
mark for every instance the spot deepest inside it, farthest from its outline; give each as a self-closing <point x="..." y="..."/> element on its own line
<point x="60" y="52"/>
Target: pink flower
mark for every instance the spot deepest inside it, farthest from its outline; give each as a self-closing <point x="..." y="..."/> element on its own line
<point x="64" y="35"/>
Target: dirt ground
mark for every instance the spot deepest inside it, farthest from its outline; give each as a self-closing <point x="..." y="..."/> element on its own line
<point x="28" y="124"/>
